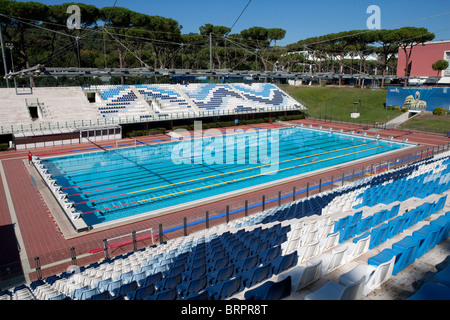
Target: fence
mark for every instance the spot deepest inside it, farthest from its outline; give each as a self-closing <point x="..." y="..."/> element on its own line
<point x="79" y="124"/>
<point x="87" y="253"/>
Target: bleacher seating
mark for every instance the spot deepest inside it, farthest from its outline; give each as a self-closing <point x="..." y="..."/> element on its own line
<point x="120" y="101"/>
<point x="73" y="107"/>
<point x="283" y="250"/>
<point x="216" y="97"/>
<point x="170" y="100"/>
<point x="266" y="94"/>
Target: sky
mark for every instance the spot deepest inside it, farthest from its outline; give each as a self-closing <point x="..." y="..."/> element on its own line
<point x="301" y="19"/>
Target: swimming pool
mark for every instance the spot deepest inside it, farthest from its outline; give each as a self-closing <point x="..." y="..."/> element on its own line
<point x="118" y="183"/>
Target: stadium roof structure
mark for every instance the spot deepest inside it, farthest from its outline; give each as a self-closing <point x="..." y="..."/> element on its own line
<point x="42" y="71"/>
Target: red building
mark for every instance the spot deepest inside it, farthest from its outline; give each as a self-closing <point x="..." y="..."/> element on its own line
<point x="422" y="59"/>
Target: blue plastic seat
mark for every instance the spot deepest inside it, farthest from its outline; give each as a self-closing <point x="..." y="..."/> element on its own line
<point x="150" y="280"/>
<point x="101" y="296"/>
<point x="168" y="283"/>
<point x="411" y="218"/>
<point x="217" y="255"/>
<point x="62" y="296"/>
<point x="283" y="263"/>
<point x="395" y="226"/>
<point x="194" y="286"/>
<point x="256" y="275"/>
<point x="443" y="221"/>
<point x="270" y="290"/>
<point x="378" y="236"/>
<point x="221" y="275"/>
<point x="194" y="273"/>
<point x="192" y="264"/>
<point x="347" y="232"/>
<point x="378" y="218"/>
<point x="87" y="294"/>
<point x="198" y="296"/>
<point x="403" y="257"/>
<point x="126" y="276"/>
<point x="364" y="225"/>
<point x="218" y="264"/>
<point x="247" y="264"/>
<point x="141" y="293"/>
<point x="255" y="250"/>
<point x="125" y="289"/>
<point x="103" y="284"/>
<point x="356" y="217"/>
<point x="240" y="255"/>
<point x="173" y="271"/>
<point x="167" y="295"/>
<point x="431" y="291"/>
<point x="76" y="294"/>
<point x="113" y="285"/>
<point x="224" y="289"/>
<point x="443" y="277"/>
<point x="270" y="254"/>
<point x="428" y="237"/>
<point x="340" y="224"/>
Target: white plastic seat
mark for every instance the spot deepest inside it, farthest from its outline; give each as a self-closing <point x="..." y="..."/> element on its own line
<point x="309" y="237"/>
<point x="308" y="252"/>
<point x="326" y="229"/>
<point x="333" y="260"/>
<point x="375" y="276"/>
<point x="329" y="242"/>
<point x="290" y="246"/>
<point x="302" y="277"/>
<point x="337" y="291"/>
<point x="357" y="249"/>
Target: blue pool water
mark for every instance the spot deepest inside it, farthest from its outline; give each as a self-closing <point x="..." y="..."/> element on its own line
<point x="119" y="183"/>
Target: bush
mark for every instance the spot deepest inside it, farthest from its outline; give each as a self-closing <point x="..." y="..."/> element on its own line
<point x="4" y="147"/>
<point x="141" y="133"/>
<point x="439" y="111"/>
<point x="389" y="107"/>
<point x="405" y="109"/>
<point x="397" y="108"/>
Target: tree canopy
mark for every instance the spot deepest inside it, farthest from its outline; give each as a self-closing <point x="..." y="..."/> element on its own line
<point x="119" y="37"/>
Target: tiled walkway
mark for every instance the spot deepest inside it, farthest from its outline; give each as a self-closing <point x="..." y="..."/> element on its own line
<point x="43" y="238"/>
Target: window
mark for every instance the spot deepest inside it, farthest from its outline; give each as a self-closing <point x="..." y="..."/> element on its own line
<point x="447" y="71"/>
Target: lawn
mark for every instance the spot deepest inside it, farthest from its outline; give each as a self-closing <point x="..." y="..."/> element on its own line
<point x="428" y="123"/>
<point x="338" y="103"/>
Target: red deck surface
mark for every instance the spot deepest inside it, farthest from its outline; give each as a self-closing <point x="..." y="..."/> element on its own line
<point x="42" y="237"/>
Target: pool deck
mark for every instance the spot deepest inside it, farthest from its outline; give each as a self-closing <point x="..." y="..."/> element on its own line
<point x="27" y="205"/>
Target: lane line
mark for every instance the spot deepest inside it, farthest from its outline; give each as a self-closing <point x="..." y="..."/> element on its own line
<point x="230" y="181"/>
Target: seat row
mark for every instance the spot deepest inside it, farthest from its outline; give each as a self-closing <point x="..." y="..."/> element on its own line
<point x="364" y="278"/>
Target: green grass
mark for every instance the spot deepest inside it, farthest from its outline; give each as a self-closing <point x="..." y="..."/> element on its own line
<point x="337" y="103"/>
<point x="428" y="123"/>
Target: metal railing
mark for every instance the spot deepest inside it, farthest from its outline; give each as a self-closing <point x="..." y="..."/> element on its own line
<point x="77" y="124"/>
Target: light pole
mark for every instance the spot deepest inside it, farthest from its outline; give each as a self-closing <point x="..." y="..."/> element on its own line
<point x="4" y="58"/>
<point x="10" y="46"/>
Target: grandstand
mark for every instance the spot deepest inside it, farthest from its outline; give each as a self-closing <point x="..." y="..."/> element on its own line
<point x="358" y="241"/>
<point x="50" y="108"/>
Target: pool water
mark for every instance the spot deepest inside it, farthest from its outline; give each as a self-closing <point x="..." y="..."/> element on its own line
<point x="118" y="183"/>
